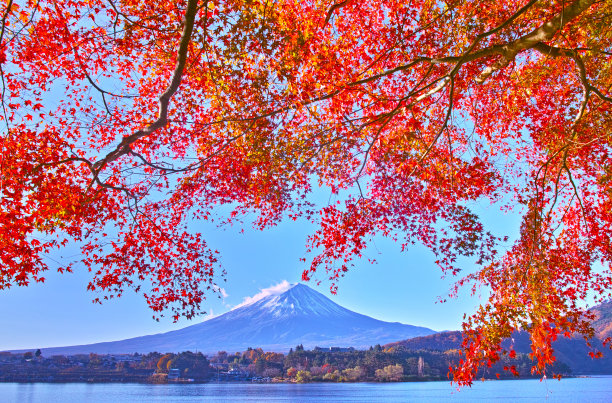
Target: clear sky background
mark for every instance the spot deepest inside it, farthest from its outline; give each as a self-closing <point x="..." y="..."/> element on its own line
<point x="401" y="287"/>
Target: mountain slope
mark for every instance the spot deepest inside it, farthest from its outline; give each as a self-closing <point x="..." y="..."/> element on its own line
<point x="603" y="321"/>
<point x="573" y="352"/>
<point x="300" y="315"/>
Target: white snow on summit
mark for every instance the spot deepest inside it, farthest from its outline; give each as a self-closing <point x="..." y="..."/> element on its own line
<point x="276" y="319"/>
<point x="276" y="289"/>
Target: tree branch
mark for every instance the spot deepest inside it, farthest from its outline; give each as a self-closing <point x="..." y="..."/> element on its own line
<point x="543" y="33"/>
<point x="333" y="9"/>
<point x="164" y="99"/>
<point x="444" y="124"/>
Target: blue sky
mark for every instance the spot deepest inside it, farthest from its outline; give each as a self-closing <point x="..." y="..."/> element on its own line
<point x="402" y="287"/>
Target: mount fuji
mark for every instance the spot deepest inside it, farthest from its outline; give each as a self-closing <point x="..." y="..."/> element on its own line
<point x="300" y="315"/>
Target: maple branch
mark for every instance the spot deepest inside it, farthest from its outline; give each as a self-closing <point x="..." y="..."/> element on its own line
<point x="385" y="122"/>
<point x="554" y="203"/>
<point x="573" y="54"/>
<point x="571" y="179"/>
<point x="443" y="82"/>
<point x="507" y="22"/>
<point x="102" y="92"/>
<point x="444" y="124"/>
<point x="392" y="71"/>
<point x="192" y="167"/>
<point x="587" y="88"/>
<point x="457" y="60"/>
<point x="164" y="99"/>
<point x="586" y="91"/>
<point x="132" y="22"/>
<point x="4" y="17"/>
<point x="83" y="68"/>
<point x="320" y="148"/>
<point x="63" y="161"/>
<point x="154" y="166"/>
<point x="467" y="56"/>
<point x="95" y="179"/>
<point x="97" y="87"/>
<point x="543" y="33"/>
<point x="333" y="9"/>
<point x="600" y="95"/>
<point x="539" y="211"/>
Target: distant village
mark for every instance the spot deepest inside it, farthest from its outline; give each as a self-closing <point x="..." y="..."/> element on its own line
<point x="424" y="358"/>
<point x="377" y="364"/>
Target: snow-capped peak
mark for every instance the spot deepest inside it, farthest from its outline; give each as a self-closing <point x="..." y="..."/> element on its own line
<point x="276" y="319"/>
<point x="276" y="289"/>
<point x="297" y="300"/>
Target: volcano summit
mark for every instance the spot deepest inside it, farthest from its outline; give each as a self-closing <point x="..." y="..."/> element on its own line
<point x="300" y="315"/>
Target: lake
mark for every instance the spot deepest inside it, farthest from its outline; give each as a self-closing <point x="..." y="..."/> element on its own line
<point x="594" y="389"/>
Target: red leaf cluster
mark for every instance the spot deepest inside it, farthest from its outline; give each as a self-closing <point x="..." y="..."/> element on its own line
<point x="125" y="121"/>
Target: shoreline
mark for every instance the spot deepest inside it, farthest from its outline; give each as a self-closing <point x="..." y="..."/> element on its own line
<point x="290" y="382"/>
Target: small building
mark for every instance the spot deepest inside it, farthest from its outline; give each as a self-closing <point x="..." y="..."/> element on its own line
<point x="174" y="373"/>
<point x="334" y="349"/>
<point x="233" y="374"/>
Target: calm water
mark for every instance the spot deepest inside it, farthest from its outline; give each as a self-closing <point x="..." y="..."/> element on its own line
<point x="597" y="389"/>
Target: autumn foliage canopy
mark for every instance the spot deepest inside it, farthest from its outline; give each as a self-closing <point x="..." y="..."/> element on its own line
<point x="123" y="121"/>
